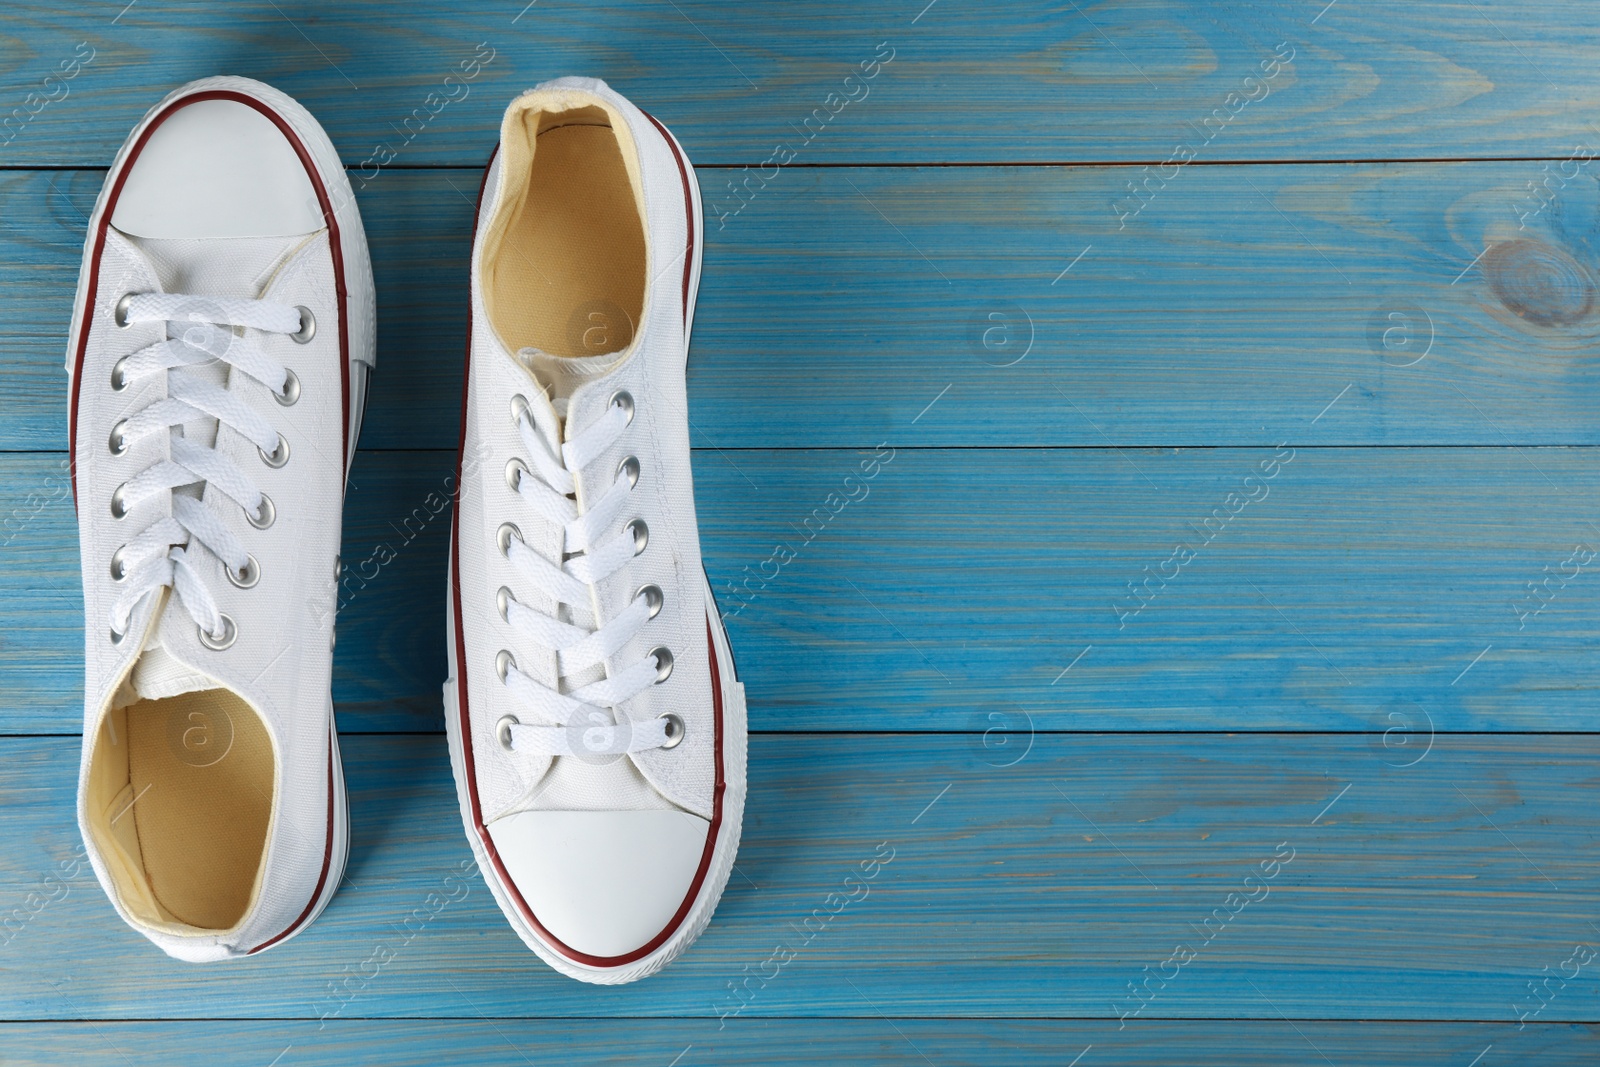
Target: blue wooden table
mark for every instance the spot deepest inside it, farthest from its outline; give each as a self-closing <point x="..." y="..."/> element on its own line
<point x="1208" y="660"/>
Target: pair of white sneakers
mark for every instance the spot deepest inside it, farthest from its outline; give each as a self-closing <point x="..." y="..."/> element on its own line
<point x="221" y="345"/>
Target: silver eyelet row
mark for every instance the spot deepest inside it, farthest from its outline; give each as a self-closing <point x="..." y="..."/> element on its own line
<point x="263" y="516"/>
<point x="652" y="595"/>
<point x="676" y="731"/>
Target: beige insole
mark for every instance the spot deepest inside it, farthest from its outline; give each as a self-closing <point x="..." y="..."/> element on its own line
<point x="185" y="791"/>
<point x="568" y="278"/>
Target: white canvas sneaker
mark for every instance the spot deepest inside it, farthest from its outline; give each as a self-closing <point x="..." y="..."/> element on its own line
<point x="596" y="728"/>
<point x="218" y="359"/>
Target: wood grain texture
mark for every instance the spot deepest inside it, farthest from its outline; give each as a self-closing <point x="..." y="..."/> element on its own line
<point x="1031" y="81"/>
<point x="1039" y="889"/>
<point x="951" y="589"/>
<point x="935" y="306"/>
<point x="786" y="1043"/>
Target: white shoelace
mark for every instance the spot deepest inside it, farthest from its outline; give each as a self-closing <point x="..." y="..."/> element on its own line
<point x="578" y="723"/>
<point x="158" y="557"/>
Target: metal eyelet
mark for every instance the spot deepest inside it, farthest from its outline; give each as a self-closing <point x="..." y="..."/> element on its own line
<point x="503" y="601"/>
<point x="663" y="657"/>
<point x="121" y="312"/>
<point x="264" y="515"/>
<point x="504" y="663"/>
<point x="119" y="376"/>
<point x="290" y="393"/>
<point x="503" y="537"/>
<point x="118" y="439"/>
<point x="519" y="407"/>
<point x="641" y="535"/>
<point x="653" y="597"/>
<point x="624" y="400"/>
<point x="308" y="326"/>
<point x="118" y="571"/>
<point x="515" y="469"/>
<point x="116" y="638"/>
<point x="119" y="501"/>
<point x="629" y="469"/>
<point x="246" y="578"/>
<point x="502" y="730"/>
<point x="278" y="456"/>
<point x="217" y="644"/>
<point x="675" y="729"/>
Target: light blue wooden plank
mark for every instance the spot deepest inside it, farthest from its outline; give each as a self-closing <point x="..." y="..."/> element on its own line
<point x="1024" y="81"/>
<point x="843" y="308"/>
<point x="785" y="1043"/>
<point x="953" y="589"/>
<point x="1039" y="889"/>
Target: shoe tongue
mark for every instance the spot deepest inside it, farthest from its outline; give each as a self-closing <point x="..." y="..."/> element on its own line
<point x="159" y="674"/>
<point x="563" y="375"/>
<point x="233" y="266"/>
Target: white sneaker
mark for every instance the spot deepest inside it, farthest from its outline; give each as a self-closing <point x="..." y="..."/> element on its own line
<point x="597" y="730"/>
<point x="218" y="359"/>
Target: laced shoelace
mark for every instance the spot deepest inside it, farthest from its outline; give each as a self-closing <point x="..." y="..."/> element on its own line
<point x="159" y="556"/>
<point x="579" y="722"/>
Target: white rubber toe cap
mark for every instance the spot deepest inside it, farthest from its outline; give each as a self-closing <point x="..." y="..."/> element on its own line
<point x="217" y="168"/>
<point x="604" y="883"/>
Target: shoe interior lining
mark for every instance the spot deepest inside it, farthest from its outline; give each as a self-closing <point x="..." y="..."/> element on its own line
<point x="179" y="800"/>
<point x="566" y="270"/>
